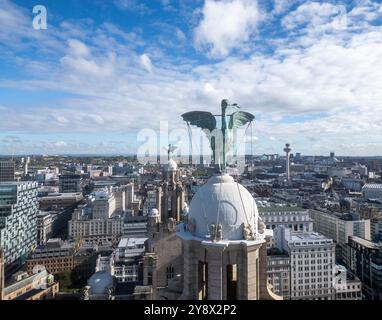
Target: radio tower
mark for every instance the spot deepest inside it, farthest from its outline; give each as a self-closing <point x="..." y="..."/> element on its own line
<point x="287" y="151"/>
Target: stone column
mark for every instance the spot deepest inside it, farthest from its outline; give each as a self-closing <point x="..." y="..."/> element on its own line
<point x="190" y="272"/>
<point x="159" y="201"/>
<point x="164" y="213"/>
<point x="265" y="292"/>
<point x="249" y="277"/>
<point x="215" y="272"/>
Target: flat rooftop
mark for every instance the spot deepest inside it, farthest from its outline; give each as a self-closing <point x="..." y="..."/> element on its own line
<point x="131" y="242"/>
<point x="309" y="238"/>
<point x="367" y="243"/>
<point x="280" y="209"/>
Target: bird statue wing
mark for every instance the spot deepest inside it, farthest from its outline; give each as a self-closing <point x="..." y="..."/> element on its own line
<point x="173" y="148"/>
<point x="201" y="119"/>
<point x="239" y="119"/>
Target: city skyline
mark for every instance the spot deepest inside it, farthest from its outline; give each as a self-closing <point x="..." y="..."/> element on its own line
<point x="307" y="70"/>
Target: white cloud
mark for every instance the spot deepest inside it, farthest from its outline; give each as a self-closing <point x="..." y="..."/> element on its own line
<point x="60" y="144"/>
<point x="281" y="6"/>
<point x="226" y="25"/>
<point x="315" y="15"/>
<point x="146" y="62"/>
<point x="180" y="34"/>
<point x="78" y="48"/>
<point x="132" y="5"/>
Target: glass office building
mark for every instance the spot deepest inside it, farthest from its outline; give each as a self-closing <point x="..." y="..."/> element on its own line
<point x="18" y="219"/>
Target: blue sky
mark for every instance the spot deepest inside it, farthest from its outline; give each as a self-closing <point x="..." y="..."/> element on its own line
<point x="103" y="71"/>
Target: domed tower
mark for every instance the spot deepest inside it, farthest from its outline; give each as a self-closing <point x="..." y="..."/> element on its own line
<point x="170" y="194"/>
<point x="163" y="260"/>
<point x="224" y="244"/>
<point x="223" y="238"/>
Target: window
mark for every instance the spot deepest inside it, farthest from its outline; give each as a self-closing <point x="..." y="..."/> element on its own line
<point x="170" y="272"/>
<point x="232" y="281"/>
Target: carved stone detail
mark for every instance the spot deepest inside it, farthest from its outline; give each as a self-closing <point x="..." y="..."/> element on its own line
<point x="171" y="225"/>
<point x="261" y="225"/>
<point x="247" y="232"/>
<point x="216" y="233"/>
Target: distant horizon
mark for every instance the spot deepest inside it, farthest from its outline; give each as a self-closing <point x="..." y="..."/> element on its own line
<point x="173" y="156"/>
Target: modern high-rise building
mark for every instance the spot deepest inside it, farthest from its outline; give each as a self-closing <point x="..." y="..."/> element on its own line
<point x="7" y="171"/>
<point x="69" y="183"/>
<point x="18" y="219"/>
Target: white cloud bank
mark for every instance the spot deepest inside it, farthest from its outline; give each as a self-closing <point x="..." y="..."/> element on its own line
<point x="330" y="78"/>
<point x="226" y="25"/>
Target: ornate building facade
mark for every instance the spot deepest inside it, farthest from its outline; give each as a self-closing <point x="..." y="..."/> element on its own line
<point x="163" y="262"/>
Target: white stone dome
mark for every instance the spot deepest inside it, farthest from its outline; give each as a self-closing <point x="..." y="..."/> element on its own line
<point x="100" y="282"/>
<point x="223" y="201"/>
<point x="172" y="166"/>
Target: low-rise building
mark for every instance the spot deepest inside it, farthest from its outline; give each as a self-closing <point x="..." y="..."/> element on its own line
<point x="40" y="285"/>
<point x="57" y="256"/>
<point x="347" y="285"/>
<point x="60" y="200"/>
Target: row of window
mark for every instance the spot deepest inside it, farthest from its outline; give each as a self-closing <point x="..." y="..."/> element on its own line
<point x="313" y="268"/>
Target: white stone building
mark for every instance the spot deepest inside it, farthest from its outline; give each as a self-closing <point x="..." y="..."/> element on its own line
<point x="44" y="226"/>
<point x="312" y="261"/>
<point x="97" y="230"/>
<point x="295" y="218"/>
<point x="104" y="204"/>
